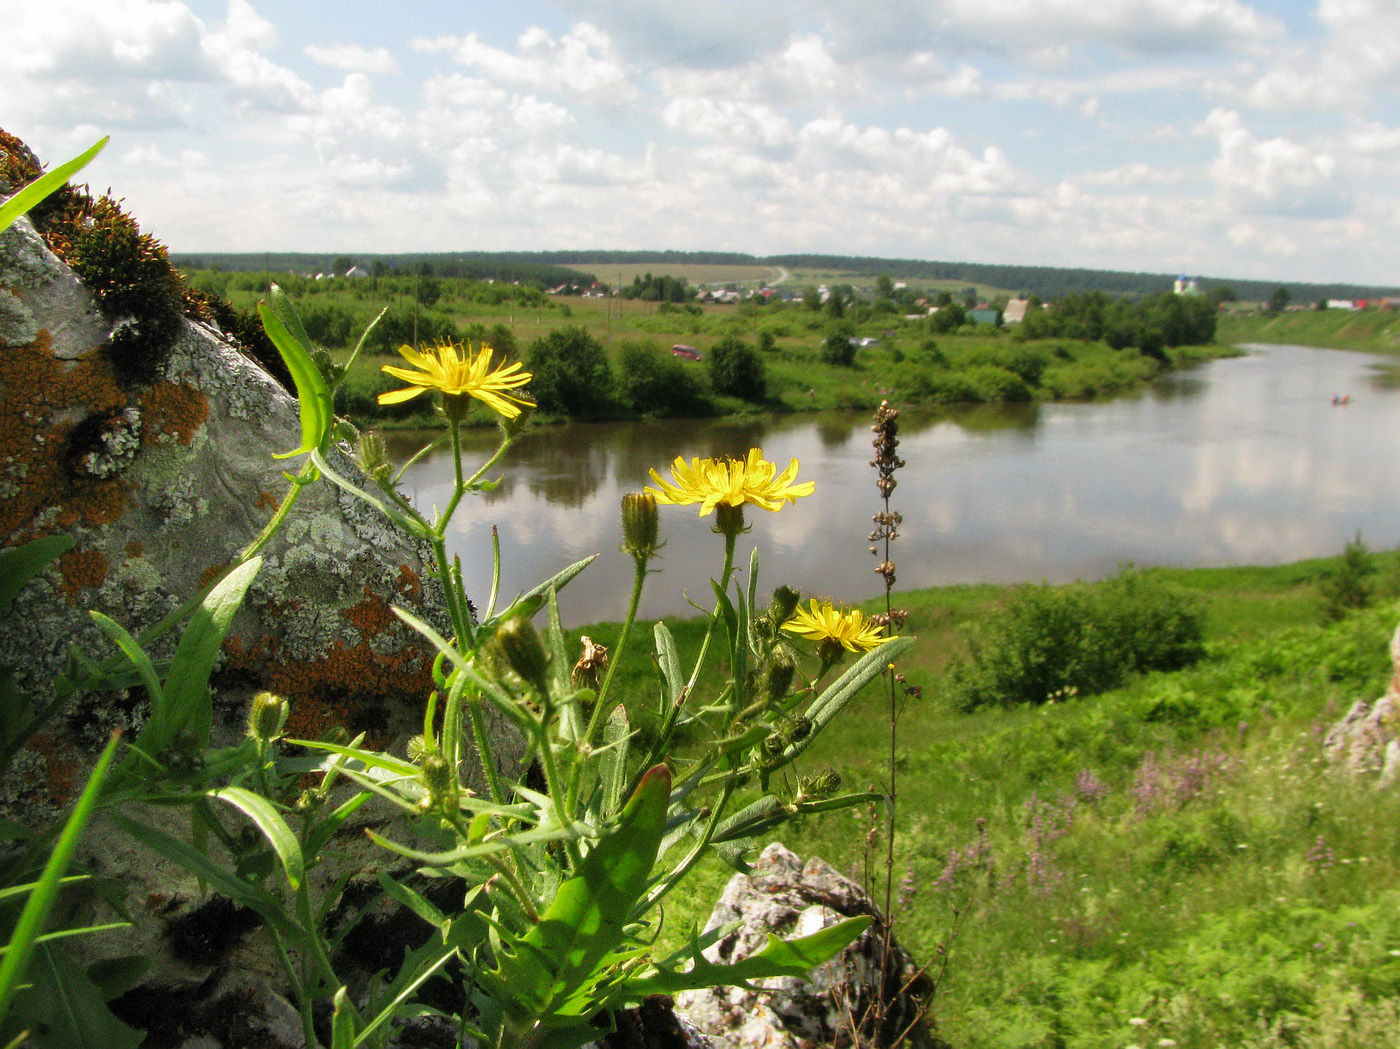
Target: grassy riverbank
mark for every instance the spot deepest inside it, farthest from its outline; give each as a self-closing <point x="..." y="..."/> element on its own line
<point x="1376" y="331"/>
<point x="1169" y="863"/>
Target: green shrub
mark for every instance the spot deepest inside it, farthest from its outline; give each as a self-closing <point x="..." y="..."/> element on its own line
<point x="1051" y="642"/>
<point x="737" y="370"/>
<point x="571" y="373"/>
<point x="998" y="385"/>
<point x="1351" y="584"/>
<point x="654" y="383"/>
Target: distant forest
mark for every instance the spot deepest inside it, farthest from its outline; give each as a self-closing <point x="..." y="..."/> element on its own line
<point x="547" y="269"/>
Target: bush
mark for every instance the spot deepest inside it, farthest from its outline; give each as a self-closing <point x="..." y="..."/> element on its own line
<point x="736" y="369"/>
<point x="571" y="373"/>
<point x="1053" y="642"/>
<point x="996" y="384"/>
<point x="1350" y="585"/>
<point x="838" y="349"/>
<point x="654" y="383"/>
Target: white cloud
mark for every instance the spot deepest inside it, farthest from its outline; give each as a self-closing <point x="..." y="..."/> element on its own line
<point x="1137" y="173"/>
<point x="353" y="57"/>
<point x="728" y="121"/>
<point x="1273" y="176"/>
<point x="582" y="61"/>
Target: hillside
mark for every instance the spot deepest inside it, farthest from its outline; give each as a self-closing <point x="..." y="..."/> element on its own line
<point x="553" y="267"/>
<point x="1377" y="331"/>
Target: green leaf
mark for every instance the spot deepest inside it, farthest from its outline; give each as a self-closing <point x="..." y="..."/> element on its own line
<point x="119" y="636"/>
<point x="35" y="914"/>
<point x="313" y="395"/>
<point x="778" y="958"/>
<point x="614" y="758"/>
<point x="20" y="564"/>
<point x="844" y="689"/>
<point x="45" y="184"/>
<point x="186" y="702"/>
<point x="274" y="828"/>
<point x="343" y="1021"/>
<point x="64" y="1009"/>
<point x="560" y="957"/>
<point x="669" y="659"/>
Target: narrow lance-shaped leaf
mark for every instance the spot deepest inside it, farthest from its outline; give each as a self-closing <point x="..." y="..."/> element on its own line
<point x="45" y="184"/>
<point x="274" y="828"/>
<point x="312" y="393"/>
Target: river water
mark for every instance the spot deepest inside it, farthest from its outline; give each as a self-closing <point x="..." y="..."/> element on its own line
<point x="1238" y="461"/>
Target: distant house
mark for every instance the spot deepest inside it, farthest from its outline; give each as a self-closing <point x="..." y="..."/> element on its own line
<point x="689" y="353"/>
<point x="1015" y="311"/>
<point x="983" y="316"/>
<point x="357" y="271"/>
<point x="1185" y="285"/>
<point x="1341" y="304"/>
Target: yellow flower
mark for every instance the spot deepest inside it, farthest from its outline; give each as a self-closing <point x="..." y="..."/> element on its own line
<point x="730" y="482"/>
<point x="456" y="372"/>
<point x="851" y="630"/>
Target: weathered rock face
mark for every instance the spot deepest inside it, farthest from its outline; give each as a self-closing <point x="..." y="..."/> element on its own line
<point x="1367" y="739"/>
<point x="789" y="898"/>
<point x="161" y="483"/>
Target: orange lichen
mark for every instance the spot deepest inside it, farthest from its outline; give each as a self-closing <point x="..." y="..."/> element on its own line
<point x="175" y="410"/>
<point x="207" y="577"/>
<point x="409" y="583"/>
<point x="267" y="501"/>
<point x="60" y="765"/>
<point x="371" y="616"/>
<point x="40" y="397"/>
<point x="81" y="569"/>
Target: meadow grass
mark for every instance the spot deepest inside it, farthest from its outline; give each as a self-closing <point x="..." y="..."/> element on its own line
<point x="1172" y="862"/>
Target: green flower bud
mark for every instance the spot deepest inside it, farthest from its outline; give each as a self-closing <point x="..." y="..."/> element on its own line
<point x="519" y="644"/>
<point x="775" y="744"/>
<point x="417" y="749"/>
<point x="267" y="717"/>
<point x="822" y="785"/>
<point x="777" y="677"/>
<point x="372" y="458"/>
<point x="783" y="605"/>
<point x="640" y="524"/>
<point x="440" y="778"/>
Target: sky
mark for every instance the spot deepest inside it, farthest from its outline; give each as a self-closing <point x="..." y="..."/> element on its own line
<point x="1203" y="137"/>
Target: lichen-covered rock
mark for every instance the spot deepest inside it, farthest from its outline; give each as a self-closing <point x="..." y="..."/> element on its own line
<point x="789" y="898"/>
<point x="1366" y="740"/>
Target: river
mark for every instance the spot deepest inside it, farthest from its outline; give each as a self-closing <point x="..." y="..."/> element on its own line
<point x="1238" y="461"/>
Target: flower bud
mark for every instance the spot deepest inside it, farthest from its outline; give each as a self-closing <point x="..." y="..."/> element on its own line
<point x="372" y="458"/>
<point x="520" y="646"/>
<point x="783" y="605"/>
<point x="777" y="677"/>
<point x="640" y="523"/>
<point x="440" y="778"/>
<point x="267" y="717"/>
<point x="800" y="728"/>
<point x="417" y="749"/>
<point x="822" y="785"/>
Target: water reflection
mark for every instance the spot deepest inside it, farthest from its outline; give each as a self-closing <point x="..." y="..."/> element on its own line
<point x="1243" y="460"/>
